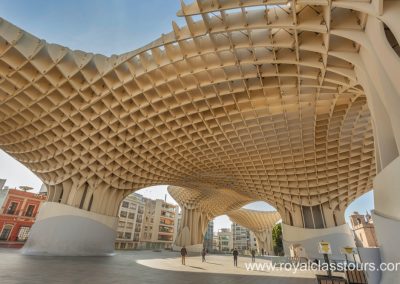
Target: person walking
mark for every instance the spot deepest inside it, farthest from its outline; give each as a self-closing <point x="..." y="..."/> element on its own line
<point x="235" y="257"/>
<point x="253" y="255"/>
<point x="183" y="255"/>
<point x="262" y="251"/>
<point x="203" y="255"/>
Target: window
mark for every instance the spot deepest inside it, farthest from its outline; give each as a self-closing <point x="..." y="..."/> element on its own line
<point x="123" y="214"/>
<point x="29" y="210"/>
<point x="128" y="235"/>
<point x="125" y="204"/>
<point x="23" y="233"/>
<point x="12" y="208"/>
<point x="131" y="215"/>
<point x="5" y="233"/>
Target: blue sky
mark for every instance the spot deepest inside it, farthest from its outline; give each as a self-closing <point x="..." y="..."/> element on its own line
<point x="99" y="26"/>
<point x="107" y="27"/>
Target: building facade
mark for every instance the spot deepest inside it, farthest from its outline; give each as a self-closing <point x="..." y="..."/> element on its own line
<point x="225" y="240"/>
<point x="241" y="237"/>
<point x="146" y="224"/>
<point x="159" y="225"/>
<point x="18" y="210"/>
<point x="130" y="222"/>
<point x="215" y="246"/>
<point x="208" y="237"/>
<point x="364" y="230"/>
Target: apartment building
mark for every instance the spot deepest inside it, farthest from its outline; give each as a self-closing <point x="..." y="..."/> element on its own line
<point x="225" y="240"/>
<point x="243" y="238"/>
<point x="130" y="222"/>
<point x="159" y="224"/>
<point x="215" y="246"/>
<point x="18" y="211"/>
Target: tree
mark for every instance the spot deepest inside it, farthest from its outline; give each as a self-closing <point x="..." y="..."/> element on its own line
<point x="25" y="188"/>
<point x="277" y="239"/>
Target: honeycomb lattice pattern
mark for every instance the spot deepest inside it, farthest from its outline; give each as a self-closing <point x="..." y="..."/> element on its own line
<point x="256" y="221"/>
<point x="214" y="202"/>
<point x="247" y="99"/>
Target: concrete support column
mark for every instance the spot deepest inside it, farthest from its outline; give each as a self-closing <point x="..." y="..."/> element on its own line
<point x="386" y="217"/>
<point x="324" y="222"/>
<point x="192" y="229"/>
<point x="308" y="239"/>
<point x="382" y="65"/>
<point x="69" y="231"/>
<point x="391" y="17"/>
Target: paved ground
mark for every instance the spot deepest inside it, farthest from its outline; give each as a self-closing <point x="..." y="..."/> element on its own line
<point x="135" y="267"/>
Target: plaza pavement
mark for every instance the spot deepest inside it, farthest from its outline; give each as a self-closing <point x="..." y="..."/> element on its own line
<point x="136" y="267"/>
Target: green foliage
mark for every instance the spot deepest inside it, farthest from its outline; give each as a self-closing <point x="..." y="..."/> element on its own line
<point x="277" y="239"/>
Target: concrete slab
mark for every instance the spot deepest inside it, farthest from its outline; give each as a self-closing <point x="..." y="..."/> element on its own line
<point x="134" y="267"/>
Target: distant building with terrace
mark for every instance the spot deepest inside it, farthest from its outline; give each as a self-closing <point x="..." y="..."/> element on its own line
<point x="18" y="211"/>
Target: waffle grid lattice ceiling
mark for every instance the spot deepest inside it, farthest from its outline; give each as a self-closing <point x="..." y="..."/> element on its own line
<point x="248" y="97"/>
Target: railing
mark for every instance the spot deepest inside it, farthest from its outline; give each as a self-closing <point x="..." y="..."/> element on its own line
<point x="356" y="277"/>
<point x="18" y="213"/>
<point x="322" y="279"/>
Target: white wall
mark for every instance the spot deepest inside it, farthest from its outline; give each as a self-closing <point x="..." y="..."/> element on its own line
<point x="338" y="237"/>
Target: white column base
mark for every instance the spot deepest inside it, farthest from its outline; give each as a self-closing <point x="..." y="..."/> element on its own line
<point x="62" y="230"/>
<point x="386" y="217"/>
<point x="371" y="255"/>
<point x="338" y="237"/>
<point x="388" y="232"/>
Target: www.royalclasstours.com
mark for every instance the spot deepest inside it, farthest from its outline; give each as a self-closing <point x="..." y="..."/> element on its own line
<point x="298" y="267"/>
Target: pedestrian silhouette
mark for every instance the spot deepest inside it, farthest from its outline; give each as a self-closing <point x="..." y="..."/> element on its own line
<point x="235" y="257"/>
<point x="203" y="255"/>
<point x="253" y="255"/>
<point x="183" y="255"/>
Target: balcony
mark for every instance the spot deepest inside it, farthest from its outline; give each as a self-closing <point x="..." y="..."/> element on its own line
<point x="167" y="222"/>
<point x="16" y="213"/>
<point x="166" y="238"/>
<point x="163" y="229"/>
<point x="167" y="214"/>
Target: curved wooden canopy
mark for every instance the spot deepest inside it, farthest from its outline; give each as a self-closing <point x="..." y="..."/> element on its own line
<point x="251" y="97"/>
